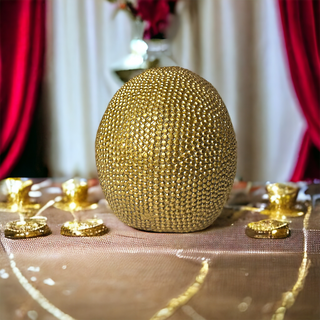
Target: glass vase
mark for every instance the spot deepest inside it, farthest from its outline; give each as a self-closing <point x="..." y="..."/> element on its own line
<point x="144" y="54"/>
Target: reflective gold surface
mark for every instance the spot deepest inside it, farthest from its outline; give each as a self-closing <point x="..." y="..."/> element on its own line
<point x="268" y="229"/>
<point x="289" y="297"/>
<point x="282" y="197"/>
<point x="166" y="152"/>
<point x="75" y="192"/>
<point x="36" y="294"/>
<point x="29" y="228"/>
<point x="181" y="300"/>
<point x="133" y="275"/>
<point x="296" y="211"/>
<point x="18" y="199"/>
<point x="86" y="228"/>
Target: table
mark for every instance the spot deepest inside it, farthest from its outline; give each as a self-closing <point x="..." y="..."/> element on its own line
<point x="218" y="273"/>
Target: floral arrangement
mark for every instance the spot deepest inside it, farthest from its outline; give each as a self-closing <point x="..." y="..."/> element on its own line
<point x="155" y="14"/>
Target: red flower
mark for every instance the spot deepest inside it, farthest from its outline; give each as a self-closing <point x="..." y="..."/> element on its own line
<point x="155" y="13"/>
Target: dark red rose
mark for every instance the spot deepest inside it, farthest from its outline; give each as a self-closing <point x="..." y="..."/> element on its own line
<point x="155" y="13"/>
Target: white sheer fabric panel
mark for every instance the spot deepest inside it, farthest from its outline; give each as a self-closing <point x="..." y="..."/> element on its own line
<point x="234" y="44"/>
<point x="83" y="41"/>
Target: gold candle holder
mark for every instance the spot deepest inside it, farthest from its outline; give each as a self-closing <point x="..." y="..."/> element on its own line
<point x="282" y="201"/>
<point x="75" y="192"/>
<point x="18" y="200"/>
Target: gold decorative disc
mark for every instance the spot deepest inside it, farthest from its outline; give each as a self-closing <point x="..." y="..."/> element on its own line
<point x="268" y="229"/>
<point x="85" y="228"/>
<point x="29" y="228"/>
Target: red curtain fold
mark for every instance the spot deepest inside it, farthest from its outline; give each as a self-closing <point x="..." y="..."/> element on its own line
<point x="301" y="29"/>
<point x="22" y="46"/>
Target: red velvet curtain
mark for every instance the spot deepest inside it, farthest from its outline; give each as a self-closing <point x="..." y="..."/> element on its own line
<point x="22" y="45"/>
<point x="301" y="28"/>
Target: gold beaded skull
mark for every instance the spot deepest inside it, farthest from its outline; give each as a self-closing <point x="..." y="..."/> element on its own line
<point x="166" y="152"/>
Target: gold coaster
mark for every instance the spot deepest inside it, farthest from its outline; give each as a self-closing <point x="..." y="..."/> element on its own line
<point x="268" y="229"/>
<point x="86" y="228"/>
<point x="29" y="228"/>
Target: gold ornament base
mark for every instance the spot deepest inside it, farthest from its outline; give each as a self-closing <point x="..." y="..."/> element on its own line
<point x="268" y="229"/>
<point x="298" y="210"/>
<point x="29" y="228"/>
<point x="86" y="228"/>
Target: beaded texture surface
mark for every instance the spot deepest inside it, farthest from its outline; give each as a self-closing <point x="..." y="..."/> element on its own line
<point x="166" y="152"/>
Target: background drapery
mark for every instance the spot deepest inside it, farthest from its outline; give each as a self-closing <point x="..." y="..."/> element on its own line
<point x="301" y="29"/>
<point x="235" y="44"/>
<point x="22" y="45"/>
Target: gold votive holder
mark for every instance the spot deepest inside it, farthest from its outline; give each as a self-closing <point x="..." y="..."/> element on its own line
<point x="75" y="193"/>
<point x="282" y="196"/>
<point x="282" y="201"/>
<point x="18" y="200"/>
<point x="75" y="190"/>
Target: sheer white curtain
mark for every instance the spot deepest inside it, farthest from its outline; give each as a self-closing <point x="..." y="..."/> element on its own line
<point x="234" y="44"/>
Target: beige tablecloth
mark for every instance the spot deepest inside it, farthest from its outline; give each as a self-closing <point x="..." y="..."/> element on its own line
<point x="131" y="274"/>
